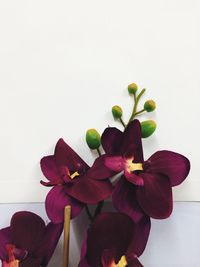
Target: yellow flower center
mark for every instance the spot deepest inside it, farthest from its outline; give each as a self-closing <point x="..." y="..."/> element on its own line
<point x="14" y="263"/>
<point x="73" y="175"/>
<point x="122" y="263"/>
<point x="131" y="166"/>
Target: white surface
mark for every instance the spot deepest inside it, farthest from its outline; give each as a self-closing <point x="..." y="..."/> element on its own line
<point x="65" y="63"/>
<point x="173" y="242"/>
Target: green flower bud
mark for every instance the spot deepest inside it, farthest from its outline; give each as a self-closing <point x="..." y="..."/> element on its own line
<point x="149" y="105"/>
<point x="148" y="128"/>
<point x="117" y="112"/>
<point x="93" y="139"/>
<point x="132" y="88"/>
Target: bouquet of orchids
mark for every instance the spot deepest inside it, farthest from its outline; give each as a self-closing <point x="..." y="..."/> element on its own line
<point x="140" y="189"/>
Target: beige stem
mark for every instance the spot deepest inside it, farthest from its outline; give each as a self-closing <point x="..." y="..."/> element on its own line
<point x="67" y="217"/>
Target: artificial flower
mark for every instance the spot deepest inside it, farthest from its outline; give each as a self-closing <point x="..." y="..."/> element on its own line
<point x="27" y="242"/>
<point x="114" y="240"/>
<point x="74" y="182"/>
<point x="144" y="185"/>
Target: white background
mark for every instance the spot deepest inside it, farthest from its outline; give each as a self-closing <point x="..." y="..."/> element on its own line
<point x="63" y="64"/>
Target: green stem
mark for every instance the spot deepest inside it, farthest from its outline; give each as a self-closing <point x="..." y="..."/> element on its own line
<point x="98" y="151"/>
<point x="139" y="112"/>
<point x="122" y="122"/>
<point x="136" y="101"/>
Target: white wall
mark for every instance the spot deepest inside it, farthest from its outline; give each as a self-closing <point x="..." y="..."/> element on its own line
<point x="173" y="242"/>
<point x="63" y="64"/>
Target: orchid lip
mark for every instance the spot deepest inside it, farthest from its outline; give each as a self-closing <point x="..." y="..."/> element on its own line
<point x="132" y="166"/>
<point x="14" y="253"/>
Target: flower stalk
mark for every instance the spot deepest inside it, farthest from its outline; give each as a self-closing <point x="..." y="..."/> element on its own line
<point x="67" y="217"/>
<point x="136" y="101"/>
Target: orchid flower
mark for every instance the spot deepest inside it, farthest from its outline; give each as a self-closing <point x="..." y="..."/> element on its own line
<point x="114" y="240"/>
<point x="145" y="186"/>
<point x="27" y="242"/>
<point x="74" y="182"/>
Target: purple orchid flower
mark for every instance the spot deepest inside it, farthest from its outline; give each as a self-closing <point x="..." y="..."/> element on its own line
<point x="145" y="186"/>
<point x="114" y="240"/>
<point x="74" y="182"/>
<point x="27" y="242"/>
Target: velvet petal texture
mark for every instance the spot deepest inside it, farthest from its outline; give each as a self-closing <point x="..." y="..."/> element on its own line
<point x="152" y="179"/>
<point x="112" y="236"/>
<point x="173" y="165"/>
<point x="27" y="232"/>
<point x="57" y="198"/>
<point x="74" y="182"/>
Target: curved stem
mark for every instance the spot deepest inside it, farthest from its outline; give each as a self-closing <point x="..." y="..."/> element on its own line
<point x="136" y="101"/>
<point x="122" y="122"/>
<point x="98" y="151"/>
<point x="139" y="112"/>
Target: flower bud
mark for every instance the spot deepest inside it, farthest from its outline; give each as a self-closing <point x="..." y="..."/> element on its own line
<point x="132" y="88"/>
<point x="117" y="112"/>
<point x="149" y="105"/>
<point x="93" y="139"/>
<point x="148" y="128"/>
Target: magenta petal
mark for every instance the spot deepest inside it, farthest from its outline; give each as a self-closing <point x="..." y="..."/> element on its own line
<point x="111" y="140"/>
<point x="27" y="230"/>
<point x="84" y="263"/>
<point x="66" y="156"/>
<point x="90" y="191"/>
<point x="49" y="242"/>
<point x="107" y="233"/>
<point x="124" y="200"/>
<point x="115" y="163"/>
<point x="171" y="164"/>
<point x="141" y="236"/>
<point x="155" y="197"/>
<point x="99" y="171"/>
<point x="56" y="200"/>
<point x="5" y="238"/>
<point x="49" y="168"/>
<point x="31" y="262"/>
<point x="134" y="178"/>
<point x="134" y="263"/>
<point x="132" y="141"/>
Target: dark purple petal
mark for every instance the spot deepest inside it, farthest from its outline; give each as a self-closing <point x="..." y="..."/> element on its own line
<point x="134" y="178"/>
<point x="66" y="156"/>
<point x="171" y="164"/>
<point x="83" y="263"/>
<point x="112" y="232"/>
<point x="19" y="253"/>
<point x="155" y="197"/>
<point x="31" y="262"/>
<point x="49" y="242"/>
<point x="49" y="168"/>
<point x="5" y="238"/>
<point x="124" y="200"/>
<point x="90" y="191"/>
<point x="115" y="163"/>
<point x="99" y="170"/>
<point x="111" y="140"/>
<point x="27" y="230"/>
<point x="141" y="235"/>
<point x="55" y="182"/>
<point x="107" y="258"/>
<point x="56" y="200"/>
<point x="132" y="141"/>
<point x="134" y="263"/>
